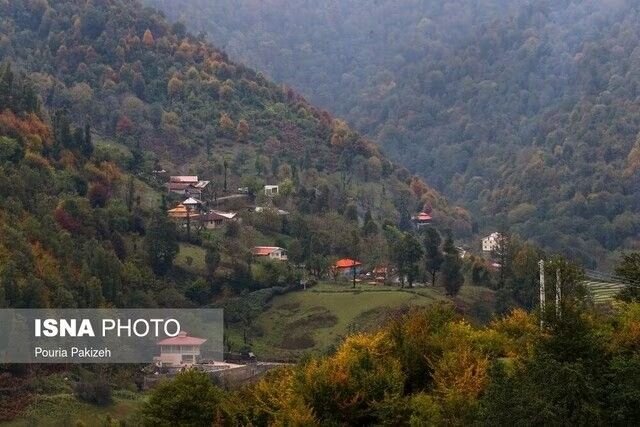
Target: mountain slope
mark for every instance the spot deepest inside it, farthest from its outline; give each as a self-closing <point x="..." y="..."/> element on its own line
<point x="152" y="86"/>
<point x="525" y="112"/>
<point x="97" y="97"/>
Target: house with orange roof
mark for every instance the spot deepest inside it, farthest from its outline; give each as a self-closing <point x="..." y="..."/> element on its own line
<point x="347" y="267"/>
<point x="179" y="212"/>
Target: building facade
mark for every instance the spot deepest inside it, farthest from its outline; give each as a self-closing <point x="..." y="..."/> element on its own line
<point x="179" y="350"/>
<point x="492" y="242"/>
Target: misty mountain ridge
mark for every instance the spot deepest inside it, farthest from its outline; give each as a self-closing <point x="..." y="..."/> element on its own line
<point x="525" y="112"/>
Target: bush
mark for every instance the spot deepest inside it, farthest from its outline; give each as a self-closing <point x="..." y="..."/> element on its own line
<point x="189" y="399"/>
<point x="97" y="393"/>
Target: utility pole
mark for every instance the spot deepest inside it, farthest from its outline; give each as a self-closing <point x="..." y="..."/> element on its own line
<point x="558" y="293"/>
<point x="188" y="223"/>
<point x="354" y="274"/>
<point x="542" y="294"/>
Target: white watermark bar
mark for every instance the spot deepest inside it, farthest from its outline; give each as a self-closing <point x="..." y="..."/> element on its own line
<point x="162" y="336"/>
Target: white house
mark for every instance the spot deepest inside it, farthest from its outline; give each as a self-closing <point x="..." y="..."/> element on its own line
<point x="179" y="350"/>
<point x="271" y="190"/>
<point x="461" y="251"/>
<point x="271" y="252"/>
<point x="192" y="203"/>
<point x="492" y="242"/>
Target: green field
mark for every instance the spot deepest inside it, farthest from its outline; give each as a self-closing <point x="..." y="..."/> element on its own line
<point x="316" y="319"/>
<point x="191" y="258"/>
<point x="603" y="292"/>
<point x="66" y="410"/>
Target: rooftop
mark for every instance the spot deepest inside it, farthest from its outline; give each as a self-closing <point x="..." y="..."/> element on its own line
<point x="179" y="211"/>
<point x="192" y="202"/>
<point x="422" y="216"/>
<point x="347" y="263"/>
<point x="217" y="215"/>
<point x="192" y="179"/>
<point x="265" y="250"/>
<point x="182" y="339"/>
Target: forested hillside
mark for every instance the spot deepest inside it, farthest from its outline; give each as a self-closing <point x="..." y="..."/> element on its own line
<point x="526" y="112"/>
<point x="151" y="86"/>
<point x="96" y="96"/>
<point x="100" y="102"/>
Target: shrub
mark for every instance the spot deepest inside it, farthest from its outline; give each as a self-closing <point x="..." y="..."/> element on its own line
<point x="97" y="393"/>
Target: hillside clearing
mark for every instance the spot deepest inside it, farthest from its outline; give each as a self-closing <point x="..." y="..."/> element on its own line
<point x="316" y="319"/>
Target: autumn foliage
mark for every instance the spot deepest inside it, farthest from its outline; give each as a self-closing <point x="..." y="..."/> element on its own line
<point x="430" y="367"/>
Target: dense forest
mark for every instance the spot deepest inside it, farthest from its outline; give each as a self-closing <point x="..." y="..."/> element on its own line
<point x="148" y="85"/>
<point x="525" y="112"/>
<point x="114" y="92"/>
<point x="101" y="99"/>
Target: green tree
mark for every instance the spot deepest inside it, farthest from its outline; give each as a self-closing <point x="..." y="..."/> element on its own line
<point x="406" y="254"/>
<point x="61" y="131"/>
<point x="629" y="270"/>
<point x="369" y="228"/>
<point x="212" y="260"/>
<point x="558" y="385"/>
<point x="452" y="278"/>
<point x="87" y="146"/>
<point x="433" y="254"/>
<point x="6" y="85"/>
<point x="253" y="183"/>
<point x="225" y="165"/>
<point x="351" y="212"/>
<point x="190" y="399"/>
<point x="161" y="243"/>
<point x="105" y="266"/>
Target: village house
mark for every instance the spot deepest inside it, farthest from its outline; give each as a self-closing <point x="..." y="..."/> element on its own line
<point x="422" y="219"/>
<point x="179" y="350"/>
<point x="180" y="212"/>
<point x="347" y="267"/>
<point x="270" y="252"/>
<point x="216" y="219"/>
<point x="379" y="274"/>
<point x="188" y="209"/>
<point x="492" y="242"/>
<point x="271" y="190"/>
<point x="187" y="185"/>
<point x="193" y="204"/>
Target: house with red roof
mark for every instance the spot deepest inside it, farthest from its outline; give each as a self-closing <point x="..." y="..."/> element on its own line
<point x="179" y="350"/>
<point x="187" y="185"/>
<point x="269" y="252"/>
<point x="422" y="219"/>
